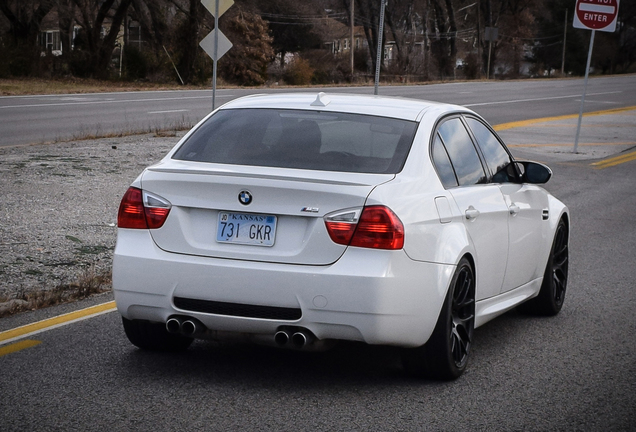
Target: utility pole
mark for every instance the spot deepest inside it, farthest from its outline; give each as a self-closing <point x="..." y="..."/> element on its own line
<point x="481" y="61"/>
<point x="351" y="41"/>
<point x="565" y="33"/>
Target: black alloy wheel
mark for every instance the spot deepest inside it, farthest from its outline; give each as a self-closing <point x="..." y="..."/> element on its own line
<point x="555" y="279"/>
<point x="445" y="355"/>
<point x="463" y="316"/>
<point x="560" y="259"/>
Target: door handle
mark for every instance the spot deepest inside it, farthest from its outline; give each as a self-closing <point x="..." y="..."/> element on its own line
<point x="472" y="213"/>
<point x="514" y="209"/>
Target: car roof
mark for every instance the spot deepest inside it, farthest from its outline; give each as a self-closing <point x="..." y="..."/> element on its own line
<point x="382" y="106"/>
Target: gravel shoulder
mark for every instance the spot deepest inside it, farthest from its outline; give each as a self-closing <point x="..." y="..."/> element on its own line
<point x="58" y="209"/>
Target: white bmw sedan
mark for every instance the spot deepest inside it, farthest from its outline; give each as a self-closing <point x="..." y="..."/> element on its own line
<point x="303" y="219"/>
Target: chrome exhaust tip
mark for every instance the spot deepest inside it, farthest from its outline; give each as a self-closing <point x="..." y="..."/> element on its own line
<point x="173" y="325"/>
<point x="281" y="338"/>
<point x="298" y="340"/>
<point x="189" y="328"/>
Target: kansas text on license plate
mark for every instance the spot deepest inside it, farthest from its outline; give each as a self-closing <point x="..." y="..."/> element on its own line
<point x="246" y="228"/>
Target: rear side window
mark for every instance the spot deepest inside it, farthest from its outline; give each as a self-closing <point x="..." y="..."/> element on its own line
<point x="301" y="139"/>
<point x="462" y="153"/>
<point x="443" y="164"/>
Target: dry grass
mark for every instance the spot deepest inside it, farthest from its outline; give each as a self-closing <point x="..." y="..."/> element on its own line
<point x="33" y="86"/>
<point x="159" y="129"/>
<point x="87" y="283"/>
<point x="71" y="85"/>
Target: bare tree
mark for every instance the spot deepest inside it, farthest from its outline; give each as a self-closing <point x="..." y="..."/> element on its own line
<point x="25" y="17"/>
<point x="101" y="23"/>
<point x="152" y="16"/>
<point x="407" y="27"/>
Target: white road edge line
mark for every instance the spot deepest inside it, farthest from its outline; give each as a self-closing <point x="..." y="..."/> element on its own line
<point x="168" y="111"/>
<point x="109" y="101"/>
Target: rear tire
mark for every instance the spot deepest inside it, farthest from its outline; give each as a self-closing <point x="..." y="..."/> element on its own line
<point x="445" y="355"/>
<point x="154" y="336"/>
<point x="555" y="279"/>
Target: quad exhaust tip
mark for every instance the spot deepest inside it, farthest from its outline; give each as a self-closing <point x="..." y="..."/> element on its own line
<point x="281" y="338"/>
<point x="185" y="326"/>
<point x="296" y="338"/>
<point x="189" y="328"/>
<point x="291" y="337"/>
<point x="173" y="325"/>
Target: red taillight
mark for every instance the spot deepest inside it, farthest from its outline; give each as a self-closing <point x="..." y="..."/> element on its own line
<point x="378" y="228"/>
<point x="341" y="232"/>
<point x="155" y="217"/>
<point x="131" y="210"/>
<point x="133" y="213"/>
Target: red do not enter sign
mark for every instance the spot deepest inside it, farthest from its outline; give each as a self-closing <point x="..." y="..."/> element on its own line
<point x="596" y="14"/>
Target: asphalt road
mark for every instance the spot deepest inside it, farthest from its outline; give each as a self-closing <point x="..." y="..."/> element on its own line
<point x="36" y="119"/>
<point x="573" y="372"/>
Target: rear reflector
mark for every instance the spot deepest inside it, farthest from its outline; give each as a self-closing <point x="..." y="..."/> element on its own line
<point x="141" y="210"/>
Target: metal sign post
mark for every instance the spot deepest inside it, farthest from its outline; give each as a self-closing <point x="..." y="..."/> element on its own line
<point x="490" y="34"/>
<point x="216" y="52"/>
<point x="593" y="15"/>
<point x="216" y="44"/>
<point x="587" y="73"/>
<point x="379" y="53"/>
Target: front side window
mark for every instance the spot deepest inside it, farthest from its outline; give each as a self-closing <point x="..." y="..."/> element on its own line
<point x="497" y="158"/>
<point x="300" y="139"/>
<point x="462" y="153"/>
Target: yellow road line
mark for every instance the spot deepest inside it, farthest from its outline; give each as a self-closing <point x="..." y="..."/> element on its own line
<point x="571" y="144"/>
<point x="58" y="321"/>
<point x="588" y="126"/>
<point x="18" y="346"/>
<point x="615" y="161"/>
<point x="523" y="123"/>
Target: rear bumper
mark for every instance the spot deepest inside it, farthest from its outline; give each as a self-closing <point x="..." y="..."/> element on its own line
<point x="373" y="296"/>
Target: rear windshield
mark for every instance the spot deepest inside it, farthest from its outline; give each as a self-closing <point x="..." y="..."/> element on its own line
<point x="301" y="139"/>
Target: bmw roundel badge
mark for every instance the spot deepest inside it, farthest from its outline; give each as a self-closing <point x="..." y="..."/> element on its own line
<point x="245" y="197"/>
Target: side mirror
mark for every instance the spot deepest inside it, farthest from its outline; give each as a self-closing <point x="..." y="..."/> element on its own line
<point x="533" y="172"/>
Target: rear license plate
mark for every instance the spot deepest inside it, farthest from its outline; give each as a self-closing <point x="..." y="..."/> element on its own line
<point x="246" y="228"/>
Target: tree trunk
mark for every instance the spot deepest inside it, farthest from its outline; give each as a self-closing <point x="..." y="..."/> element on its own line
<point x="190" y="42"/>
<point x="107" y="45"/>
<point x="66" y="17"/>
<point x="452" y="38"/>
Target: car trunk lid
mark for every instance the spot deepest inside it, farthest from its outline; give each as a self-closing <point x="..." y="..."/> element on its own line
<point x="205" y="196"/>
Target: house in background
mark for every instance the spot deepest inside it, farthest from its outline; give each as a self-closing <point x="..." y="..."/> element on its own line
<point x="50" y="36"/>
<point x="337" y="36"/>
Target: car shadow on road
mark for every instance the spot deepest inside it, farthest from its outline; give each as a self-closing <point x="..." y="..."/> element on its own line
<point x="496" y="346"/>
